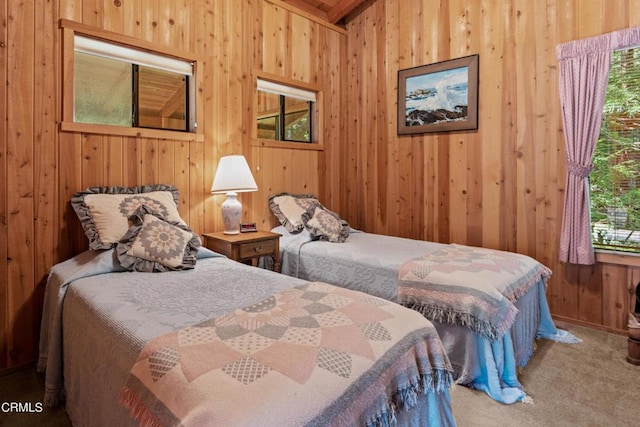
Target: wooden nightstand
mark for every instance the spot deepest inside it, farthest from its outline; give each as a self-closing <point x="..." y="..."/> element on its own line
<point x="245" y="247"/>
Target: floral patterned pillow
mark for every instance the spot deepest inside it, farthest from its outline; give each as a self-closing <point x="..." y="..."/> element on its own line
<point x="156" y="244"/>
<point x="289" y="208"/>
<point x="104" y="211"/>
<point x="325" y="225"/>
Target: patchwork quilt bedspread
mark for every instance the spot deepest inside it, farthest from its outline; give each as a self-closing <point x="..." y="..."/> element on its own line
<point x="308" y="344"/>
<point x="483" y="357"/>
<point x="469" y="286"/>
<point x="352" y="356"/>
<point x="365" y="262"/>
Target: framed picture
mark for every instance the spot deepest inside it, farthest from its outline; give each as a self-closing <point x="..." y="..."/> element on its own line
<point x="439" y="97"/>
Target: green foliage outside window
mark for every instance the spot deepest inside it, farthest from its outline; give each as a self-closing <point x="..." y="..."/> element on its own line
<point x="615" y="178"/>
<point x="298" y="128"/>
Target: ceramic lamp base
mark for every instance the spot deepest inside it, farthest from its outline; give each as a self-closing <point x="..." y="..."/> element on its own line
<point x="231" y="214"/>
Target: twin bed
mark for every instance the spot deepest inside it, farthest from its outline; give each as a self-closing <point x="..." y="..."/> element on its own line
<point x="488" y="306"/>
<point x="149" y="328"/>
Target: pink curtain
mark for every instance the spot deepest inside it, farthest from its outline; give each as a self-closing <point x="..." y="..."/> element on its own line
<point x="584" y="69"/>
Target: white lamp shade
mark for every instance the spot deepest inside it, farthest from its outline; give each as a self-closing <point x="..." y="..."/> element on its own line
<point x="233" y="175"/>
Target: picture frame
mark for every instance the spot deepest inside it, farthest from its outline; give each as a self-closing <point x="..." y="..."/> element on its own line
<point x="432" y="98"/>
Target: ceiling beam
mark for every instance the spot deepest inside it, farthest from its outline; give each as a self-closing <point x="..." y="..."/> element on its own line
<point x="176" y="101"/>
<point x="343" y="8"/>
<point x="308" y="8"/>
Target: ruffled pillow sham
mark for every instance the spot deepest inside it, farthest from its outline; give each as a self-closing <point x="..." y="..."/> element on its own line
<point x="104" y="211"/>
<point x="325" y="225"/>
<point x="155" y="244"/>
<point x="289" y="208"/>
<point x="297" y="212"/>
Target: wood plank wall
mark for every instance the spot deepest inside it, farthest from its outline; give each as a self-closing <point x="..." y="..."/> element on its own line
<point x="501" y="186"/>
<point x="41" y="167"/>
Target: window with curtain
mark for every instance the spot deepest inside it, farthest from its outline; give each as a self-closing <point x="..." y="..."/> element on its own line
<point x="614" y="181"/>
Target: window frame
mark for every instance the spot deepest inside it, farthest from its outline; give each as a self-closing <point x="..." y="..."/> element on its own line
<point x="67" y="124"/>
<point x="316" y="143"/>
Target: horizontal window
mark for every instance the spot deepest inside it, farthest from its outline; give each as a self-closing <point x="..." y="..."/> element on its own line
<point x="121" y="86"/>
<point x="285" y="113"/>
<point x="114" y="84"/>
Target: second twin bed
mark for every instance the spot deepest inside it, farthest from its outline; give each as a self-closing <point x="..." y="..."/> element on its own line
<point x="488" y="306"/>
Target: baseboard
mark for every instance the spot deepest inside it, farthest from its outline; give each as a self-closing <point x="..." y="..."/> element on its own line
<point x="576" y="322"/>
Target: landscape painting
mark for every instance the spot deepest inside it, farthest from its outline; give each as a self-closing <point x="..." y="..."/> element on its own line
<point x="439" y="97"/>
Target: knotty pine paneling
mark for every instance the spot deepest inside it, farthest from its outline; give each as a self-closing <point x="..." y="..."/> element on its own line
<point x="501" y="186"/>
<point x="4" y="213"/>
<point x="20" y="178"/>
<point x="41" y="166"/>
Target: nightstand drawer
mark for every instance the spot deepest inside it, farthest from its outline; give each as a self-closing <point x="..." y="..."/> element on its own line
<point x="252" y="249"/>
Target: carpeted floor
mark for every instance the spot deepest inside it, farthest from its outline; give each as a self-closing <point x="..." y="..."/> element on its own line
<point x="588" y="385"/>
<point x="27" y="388"/>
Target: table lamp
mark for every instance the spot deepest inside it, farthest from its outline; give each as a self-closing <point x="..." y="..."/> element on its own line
<point x="233" y="176"/>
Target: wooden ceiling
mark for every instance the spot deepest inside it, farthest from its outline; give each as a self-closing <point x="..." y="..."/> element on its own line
<point x="333" y="11"/>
